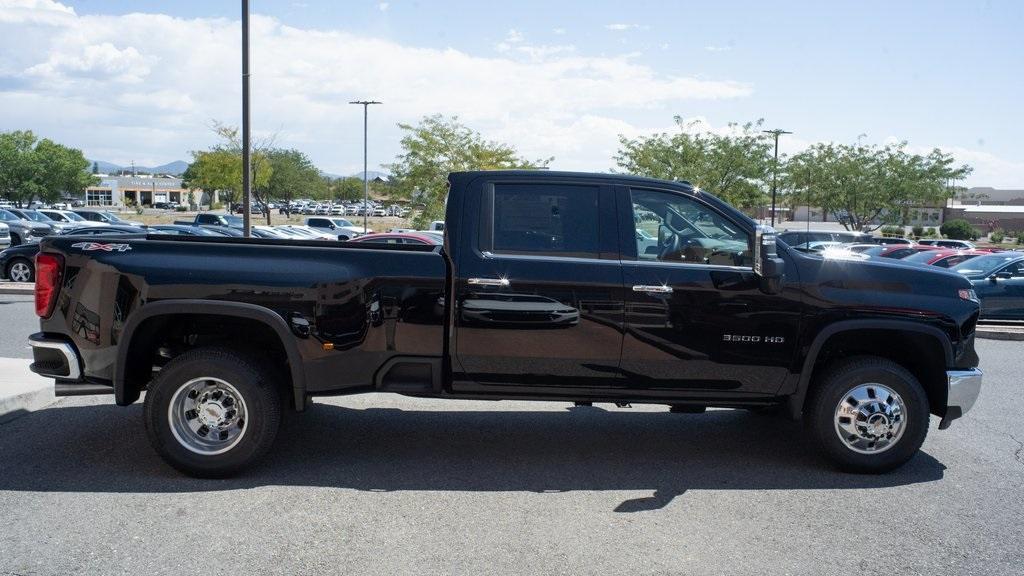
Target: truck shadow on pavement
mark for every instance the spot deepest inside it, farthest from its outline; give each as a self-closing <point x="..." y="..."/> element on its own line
<point x="103" y="448"/>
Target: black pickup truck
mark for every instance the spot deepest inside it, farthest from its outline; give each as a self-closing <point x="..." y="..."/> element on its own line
<point x="549" y="286"/>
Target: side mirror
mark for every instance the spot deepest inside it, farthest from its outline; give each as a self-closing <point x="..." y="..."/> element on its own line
<point x="769" y="268"/>
<point x="333" y="226"/>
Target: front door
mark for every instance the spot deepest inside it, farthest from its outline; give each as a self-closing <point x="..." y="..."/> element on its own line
<point x="696" y="321"/>
<point x="538" y="287"/>
<point x="1002" y="294"/>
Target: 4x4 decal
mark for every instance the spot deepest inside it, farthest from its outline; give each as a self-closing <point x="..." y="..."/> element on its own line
<point x="93" y="246"/>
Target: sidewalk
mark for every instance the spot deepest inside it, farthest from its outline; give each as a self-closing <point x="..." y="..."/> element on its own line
<point x="17" y="287"/>
<point x="21" y="391"/>
<point x="1001" y="331"/>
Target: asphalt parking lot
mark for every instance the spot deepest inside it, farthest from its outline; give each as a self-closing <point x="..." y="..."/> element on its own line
<point x="382" y="484"/>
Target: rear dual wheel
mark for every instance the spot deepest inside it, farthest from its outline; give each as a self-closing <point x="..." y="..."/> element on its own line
<point x="211" y="412"/>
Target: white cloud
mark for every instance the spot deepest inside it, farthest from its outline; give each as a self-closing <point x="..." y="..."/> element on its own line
<point x="716" y="48"/>
<point x="558" y="31"/>
<point x="619" y="27"/>
<point x="383" y="6"/>
<point x="35" y="12"/>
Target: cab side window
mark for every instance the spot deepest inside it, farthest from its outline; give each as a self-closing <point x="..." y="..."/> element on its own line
<point x="545" y="219"/>
<point x="674" y="228"/>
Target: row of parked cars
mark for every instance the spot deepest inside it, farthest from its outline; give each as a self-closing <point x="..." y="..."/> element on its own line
<point x="21" y="230"/>
<point x="345" y="208"/>
<point x="997" y="275"/>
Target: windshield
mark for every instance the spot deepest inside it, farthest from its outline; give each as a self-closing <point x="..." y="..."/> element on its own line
<point x="72" y="216"/>
<point x="341" y="222"/>
<point x="233" y="220"/>
<point x="984" y="265"/>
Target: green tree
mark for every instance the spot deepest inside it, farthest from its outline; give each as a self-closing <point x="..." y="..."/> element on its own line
<point x="291" y="173"/>
<point x="220" y="167"/>
<point x="44" y="169"/>
<point x="734" y="166"/>
<point x="870" y="185"/>
<point x="439" y="145"/>
<point x="95" y="168"/>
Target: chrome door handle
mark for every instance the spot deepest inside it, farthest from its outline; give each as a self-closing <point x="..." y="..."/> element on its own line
<point x="653" y="289"/>
<point x="503" y="282"/>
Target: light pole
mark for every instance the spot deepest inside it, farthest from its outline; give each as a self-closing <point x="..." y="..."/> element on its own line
<point x="246" y="155"/>
<point x="366" y="179"/>
<point x="775" y="168"/>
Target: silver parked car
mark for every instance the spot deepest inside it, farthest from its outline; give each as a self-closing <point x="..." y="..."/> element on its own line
<point x="23" y="231"/>
<point x="5" y="236"/>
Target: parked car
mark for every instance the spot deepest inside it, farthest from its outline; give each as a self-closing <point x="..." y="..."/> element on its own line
<point x="215" y="332"/>
<point x="40" y="218"/>
<point x="942" y="258"/>
<point x="224" y="230"/>
<point x="867" y="249"/>
<point x="23" y="231"/>
<point x="68" y="217"/>
<point x="309" y="233"/>
<point x="801" y="238"/>
<point x="898" y="251"/>
<point x="400" y="238"/>
<point x="210" y="219"/>
<point x="893" y="241"/>
<point x="998" y="279"/>
<point x="267" y="232"/>
<point x="944" y="243"/>
<point x="107" y="217"/>
<point x="339" y="227"/>
<point x="5" y="236"/>
<point x="182" y="230"/>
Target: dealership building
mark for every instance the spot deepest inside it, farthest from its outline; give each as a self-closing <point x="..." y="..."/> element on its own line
<point x="121" y="191"/>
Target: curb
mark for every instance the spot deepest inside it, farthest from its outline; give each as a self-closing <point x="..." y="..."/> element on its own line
<point x="17" y="288"/>
<point x="17" y="406"/>
<point x="1011" y="333"/>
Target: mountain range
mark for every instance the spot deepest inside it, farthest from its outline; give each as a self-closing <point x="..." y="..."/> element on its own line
<point x="175" y="168"/>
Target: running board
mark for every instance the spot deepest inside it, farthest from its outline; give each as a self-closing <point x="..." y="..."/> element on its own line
<point x="64" y="389"/>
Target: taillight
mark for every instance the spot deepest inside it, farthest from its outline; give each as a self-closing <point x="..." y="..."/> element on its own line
<point x="48" y="272"/>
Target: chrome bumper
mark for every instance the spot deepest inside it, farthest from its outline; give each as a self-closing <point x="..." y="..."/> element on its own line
<point x="54" y="358"/>
<point x="962" y="389"/>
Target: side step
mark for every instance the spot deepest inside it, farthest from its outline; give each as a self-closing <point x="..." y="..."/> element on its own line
<point x="65" y="389"/>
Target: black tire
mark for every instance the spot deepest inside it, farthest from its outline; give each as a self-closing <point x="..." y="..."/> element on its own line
<point x="256" y="383"/>
<point x="25" y="261"/>
<point x="833" y="387"/>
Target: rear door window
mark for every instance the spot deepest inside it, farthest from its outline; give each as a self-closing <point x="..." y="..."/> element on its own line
<point x="545" y="219"/>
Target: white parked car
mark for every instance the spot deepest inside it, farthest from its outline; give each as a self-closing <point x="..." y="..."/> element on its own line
<point x="307" y="232"/>
<point x="69" y="217"/>
<point x="339" y="227"/>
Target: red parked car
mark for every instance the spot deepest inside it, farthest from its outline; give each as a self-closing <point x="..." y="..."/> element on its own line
<point x="900" y="251"/>
<point x="943" y="258"/>
<point x="400" y="238"/>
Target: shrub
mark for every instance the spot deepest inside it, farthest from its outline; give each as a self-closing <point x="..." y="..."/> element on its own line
<point x="181" y="208"/>
<point x="918" y="231"/>
<point x="892" y="231"/>
<point x="958" y="230"/>
<point x="1020" y="239"/>
<point x="997" y="236"/>
<point x="929" y="233"/>
<point x="216" y="206"/>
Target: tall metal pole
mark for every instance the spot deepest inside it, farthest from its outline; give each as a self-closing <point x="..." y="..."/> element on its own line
<point x="775" y="168"/>
<point x="246" y="156"/>
<point x="366" y="178"/>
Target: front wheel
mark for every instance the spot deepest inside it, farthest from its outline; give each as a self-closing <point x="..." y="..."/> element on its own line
<point x="211" y="412"/>
<point x="868" y="414"/>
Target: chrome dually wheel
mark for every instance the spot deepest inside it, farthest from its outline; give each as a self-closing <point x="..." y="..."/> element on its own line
<point x="207" y="416"/>
<point x="870" y="418"/>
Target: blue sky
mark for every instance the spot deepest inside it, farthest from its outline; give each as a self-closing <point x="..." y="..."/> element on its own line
<point x="558" y="79"/>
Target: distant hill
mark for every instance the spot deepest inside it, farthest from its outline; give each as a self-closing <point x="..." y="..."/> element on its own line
<point x="359" y="175"/>
<point x="176" y="168"/>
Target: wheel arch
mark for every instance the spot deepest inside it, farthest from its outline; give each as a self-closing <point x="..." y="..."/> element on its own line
<point x="920" y="348"/>
<point x="137" y="336"/>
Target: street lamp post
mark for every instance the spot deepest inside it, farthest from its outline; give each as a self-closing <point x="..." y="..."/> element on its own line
<point x="775" y="168"/>
<point x="246" y="152"/>
<point x="366" y="179"/>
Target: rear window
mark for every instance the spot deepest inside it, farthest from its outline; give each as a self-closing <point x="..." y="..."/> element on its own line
<point x="552" y="219"/>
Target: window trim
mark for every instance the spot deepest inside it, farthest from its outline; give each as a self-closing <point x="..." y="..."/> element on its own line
<point x="629" y="252"/>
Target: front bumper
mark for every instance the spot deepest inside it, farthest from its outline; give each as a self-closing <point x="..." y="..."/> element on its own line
<point x="962" y="389"/>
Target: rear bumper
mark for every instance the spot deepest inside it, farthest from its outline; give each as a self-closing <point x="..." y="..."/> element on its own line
<point x="962" y="389"/>
<point x="54" y="358"/>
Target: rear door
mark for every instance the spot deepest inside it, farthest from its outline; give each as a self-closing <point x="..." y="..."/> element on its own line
<point x="697" y="323"/>
<point x="538" y="286"/>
